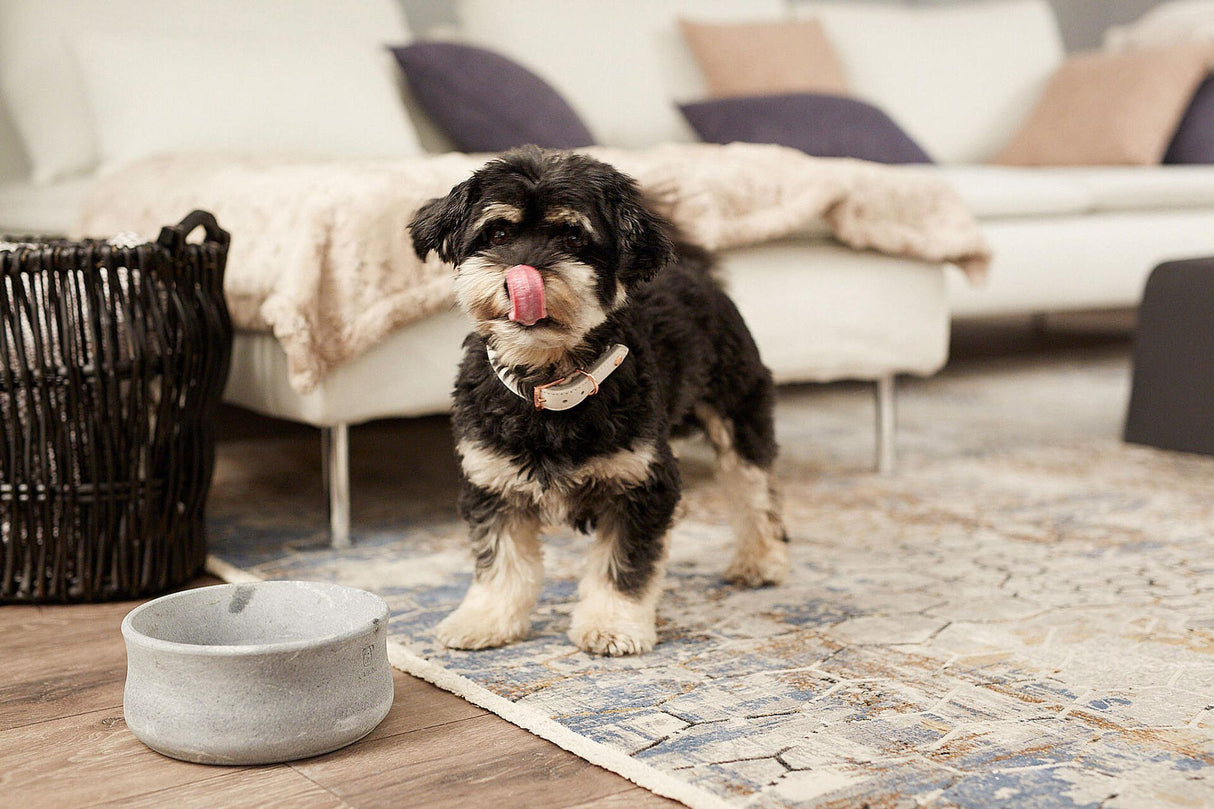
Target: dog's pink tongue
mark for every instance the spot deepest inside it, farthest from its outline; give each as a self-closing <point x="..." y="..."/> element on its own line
<point x="526" y="289"/>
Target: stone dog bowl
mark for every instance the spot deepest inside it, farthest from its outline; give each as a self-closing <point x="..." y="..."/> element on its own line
<point x="256" y="673"/>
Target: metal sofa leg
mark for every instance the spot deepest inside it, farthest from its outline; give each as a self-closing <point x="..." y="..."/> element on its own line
<point x="335" y="456"/>
<point x="886" y="390"/>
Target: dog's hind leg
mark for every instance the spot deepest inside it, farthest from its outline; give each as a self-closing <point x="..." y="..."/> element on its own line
<point x="509" y="572"/>
<point x="745" y="447"/>
<point x="618" y="595"/>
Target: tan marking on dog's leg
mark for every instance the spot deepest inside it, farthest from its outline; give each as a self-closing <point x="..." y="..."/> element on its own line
<point x="606" y="621"/>
<point x="497" y="607"/>
<point x="761" y="553"/>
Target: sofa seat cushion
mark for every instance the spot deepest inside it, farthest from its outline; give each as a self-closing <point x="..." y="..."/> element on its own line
<point x="1006" y="192"/>
<point x="33" y="208"/>
<point x="1055" y="264"/>
<point x="997" y="192"/>
<point x="1123" y="188"/>
<point x="820" y="311"/>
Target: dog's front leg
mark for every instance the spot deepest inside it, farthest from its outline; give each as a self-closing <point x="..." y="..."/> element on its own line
<point x="509" y="572"/>
<point x="618" y="596"/>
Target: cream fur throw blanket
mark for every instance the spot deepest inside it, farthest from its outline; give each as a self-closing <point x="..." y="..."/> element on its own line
<point x="321" y="255"/>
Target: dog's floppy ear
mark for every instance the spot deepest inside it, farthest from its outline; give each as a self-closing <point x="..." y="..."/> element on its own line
<point x="437" y="225"/>
<point x="644" y="237"/>
<point x="646" y="245"/>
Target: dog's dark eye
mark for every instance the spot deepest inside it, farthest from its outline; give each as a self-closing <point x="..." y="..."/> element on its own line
<point x="499" y="235"/>
<point x="574" y="240"/>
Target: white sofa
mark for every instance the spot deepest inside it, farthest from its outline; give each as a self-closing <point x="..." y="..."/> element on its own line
<point x="958" y="78"/>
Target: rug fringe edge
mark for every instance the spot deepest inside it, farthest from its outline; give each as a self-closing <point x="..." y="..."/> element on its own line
<point x="549" y="729"/>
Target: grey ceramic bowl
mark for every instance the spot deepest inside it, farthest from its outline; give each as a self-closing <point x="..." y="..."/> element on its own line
<point x="256" y="673"/>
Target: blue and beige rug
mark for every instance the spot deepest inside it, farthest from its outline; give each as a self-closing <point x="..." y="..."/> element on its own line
<point x="1022" y="616"/>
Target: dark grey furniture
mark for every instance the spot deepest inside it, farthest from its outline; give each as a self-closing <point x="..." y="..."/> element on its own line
<point x="1172" y="396"/>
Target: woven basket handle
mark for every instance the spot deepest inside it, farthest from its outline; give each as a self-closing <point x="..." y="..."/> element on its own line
<point x="172" y="237"/>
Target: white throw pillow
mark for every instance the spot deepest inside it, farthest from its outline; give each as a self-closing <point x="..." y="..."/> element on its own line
<point x="161" y="94"/>
<point x="621" y="64"/>
<point x="44" y="92"/>
<point x="960" y="78"/>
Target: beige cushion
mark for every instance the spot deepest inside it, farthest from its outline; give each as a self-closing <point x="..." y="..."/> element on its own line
<point x="765" y="58"/>
<point x="1110" y="108"/>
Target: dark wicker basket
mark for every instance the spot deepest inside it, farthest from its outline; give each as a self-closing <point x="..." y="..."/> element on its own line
<point x="113" y="358"/>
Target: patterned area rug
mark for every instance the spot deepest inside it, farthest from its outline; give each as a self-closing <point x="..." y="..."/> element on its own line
<point x="1022" y="616"/>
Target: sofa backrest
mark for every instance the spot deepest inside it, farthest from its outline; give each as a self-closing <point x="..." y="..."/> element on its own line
<point x="43" y="89"/>
<point x="621" y="64"/>
<point x="14" y="166"/>
<point x="960" y="78"/>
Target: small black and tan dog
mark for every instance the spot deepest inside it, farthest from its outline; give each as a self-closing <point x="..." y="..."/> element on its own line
<point x="597" y="338"/>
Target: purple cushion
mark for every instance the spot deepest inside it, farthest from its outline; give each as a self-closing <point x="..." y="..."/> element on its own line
<point x="486" y="102"/>
<point x="1194" y="138"/>
<point x="820" y="125"/>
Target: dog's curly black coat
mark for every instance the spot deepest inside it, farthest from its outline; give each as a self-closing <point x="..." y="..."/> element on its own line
<point x="691" y="360"/>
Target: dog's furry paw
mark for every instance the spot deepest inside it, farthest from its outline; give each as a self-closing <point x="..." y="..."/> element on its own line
<point x="474" y="629"/>
<point x="769" y="565"/>
<point x="613" y="642"/>
<point x="610" y="624"/>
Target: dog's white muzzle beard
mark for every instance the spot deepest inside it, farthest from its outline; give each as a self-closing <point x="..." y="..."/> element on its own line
<point x="571" y="308"/>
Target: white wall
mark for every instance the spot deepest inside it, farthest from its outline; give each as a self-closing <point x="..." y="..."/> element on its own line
<point x="1082" y="21"/>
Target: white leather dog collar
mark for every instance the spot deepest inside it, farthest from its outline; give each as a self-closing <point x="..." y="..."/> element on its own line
<point x="566" y="392"/>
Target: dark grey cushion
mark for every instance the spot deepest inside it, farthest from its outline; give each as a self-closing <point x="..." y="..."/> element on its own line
<point x="486" y="102"/>
<point x="817" y="124"/>
<point x="1194" y="138"/>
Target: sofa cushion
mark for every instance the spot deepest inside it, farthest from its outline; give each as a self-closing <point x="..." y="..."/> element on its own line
<point x="997" y="192"/>
<point x="621" y="65"/>
<point x="1078" y="262"/>
<point x="1009" y="192"/>
<point x="487" y="103"/>
<point x="958" y="77"/>
<point x="1142" y="188"/>
<point x="1193" y="140"/>
<point x="820" y="125"/>
<point x="1110" y="108"/>
<point x="43" y="88"/>
<point x="240" y="94"/>
<point x="821" y="311"/>
<point x="764" y="58"/>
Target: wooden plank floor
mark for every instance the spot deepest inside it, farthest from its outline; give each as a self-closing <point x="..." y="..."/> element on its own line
<point x="63" y="742"/>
